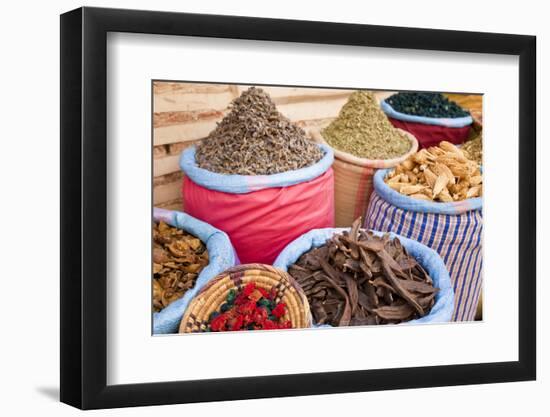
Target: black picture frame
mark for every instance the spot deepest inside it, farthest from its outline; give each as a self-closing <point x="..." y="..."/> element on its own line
<point x="84" y="207"/>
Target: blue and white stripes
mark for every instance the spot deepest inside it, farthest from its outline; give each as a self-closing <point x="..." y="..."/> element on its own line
<point x="456" y="237"/>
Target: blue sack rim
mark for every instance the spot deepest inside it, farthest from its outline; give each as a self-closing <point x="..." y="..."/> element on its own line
<point x="241" y="184"/>
<point x="453" y="122"/>
<point x="168" y="319"/>
<point x="421" y="206"/>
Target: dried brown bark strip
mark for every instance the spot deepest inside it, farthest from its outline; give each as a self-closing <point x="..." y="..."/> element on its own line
<point x="395" y="283"/>
<point x="419" y="287"/>
<point x="401" y="312"/>
<point x="346" y="314"/>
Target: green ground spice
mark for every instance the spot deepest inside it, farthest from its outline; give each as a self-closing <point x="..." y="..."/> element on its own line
<point x="362" y="129"/>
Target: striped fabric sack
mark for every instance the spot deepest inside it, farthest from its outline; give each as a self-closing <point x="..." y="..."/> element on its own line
<point x="454" y="230"/>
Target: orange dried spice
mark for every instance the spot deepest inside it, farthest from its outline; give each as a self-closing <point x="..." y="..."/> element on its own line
<point x="440" y="173"/>
<point x="178" y="258"/>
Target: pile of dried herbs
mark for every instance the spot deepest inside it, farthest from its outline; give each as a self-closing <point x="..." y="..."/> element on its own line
<point x="362" y="129"/>
<point x="473" y="147"/>
<point x="255" y="139"/>
<point x="178" y="258"/>
<point x="426" y="104"/>
<point x="357" y="278"/>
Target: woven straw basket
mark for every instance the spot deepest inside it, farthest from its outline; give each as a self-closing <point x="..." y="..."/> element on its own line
<point x="353" y="180"/>
<point x="214" y="294"/>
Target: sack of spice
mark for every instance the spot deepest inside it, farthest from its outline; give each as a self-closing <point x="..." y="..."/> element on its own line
<point x="221" y="256"/>
<point x="259" y="179"/>
<point x="430" y="117"/>
<point x="440" y="214"/>
<point x="363" y="141"/>
<point x="369" y="299"/>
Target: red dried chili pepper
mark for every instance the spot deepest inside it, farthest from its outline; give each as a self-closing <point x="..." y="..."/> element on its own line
<point x="238" y="323"/>
<point x="249" y="288"/>
<point x="248" y="307"/>
<point x="218" y="323"/>
<point x="250" y="310"/>
<point x="279" y="310"/>
<point x="264" y="293"/>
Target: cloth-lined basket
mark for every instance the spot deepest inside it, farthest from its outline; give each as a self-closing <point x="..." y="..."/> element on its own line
<point x="353" y="180"/>
<point x="214" y="294"/>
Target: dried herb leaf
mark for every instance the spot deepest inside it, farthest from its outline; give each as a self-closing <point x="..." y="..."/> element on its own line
<point x="178" y="258"/>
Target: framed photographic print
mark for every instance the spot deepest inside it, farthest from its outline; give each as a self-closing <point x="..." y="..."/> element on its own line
<point x="294" y="207"/>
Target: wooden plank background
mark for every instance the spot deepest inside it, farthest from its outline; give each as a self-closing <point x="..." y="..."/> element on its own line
<point x="185" y="113"/>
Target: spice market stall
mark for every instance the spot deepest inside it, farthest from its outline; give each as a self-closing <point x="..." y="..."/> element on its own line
<point x="276" y="169"/>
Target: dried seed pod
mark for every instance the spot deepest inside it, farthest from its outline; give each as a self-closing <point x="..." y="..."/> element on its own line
<point x="444" y="172"/>
<point x="420" y="157"/>
<point x="397" y="185"/>
<point x="460" y="171"/>
<point x="440" y="184"/>
<point x="430" y="177"/>
<point x="421" y="197"/>
<point x="442" y="169"/>
<point x="407" y="165"/>
<point x="412" y="177"/>
<point x="394" y="179"/>
<point x="476" y="180"/>
<point x="449" y="147"/>
<point x="474" y="192"/>
<point x="411" y="189"/>
<point x="444" y="196"/>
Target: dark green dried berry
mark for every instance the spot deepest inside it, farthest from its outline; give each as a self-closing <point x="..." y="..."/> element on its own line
<point x="434" y="105"/>
<point x="231" y="295"/>
<point x="263" y="303"/>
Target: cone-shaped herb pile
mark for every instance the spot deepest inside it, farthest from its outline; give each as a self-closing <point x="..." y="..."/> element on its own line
<point x="255" y="139"/>
<point x="362" y="129"/>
